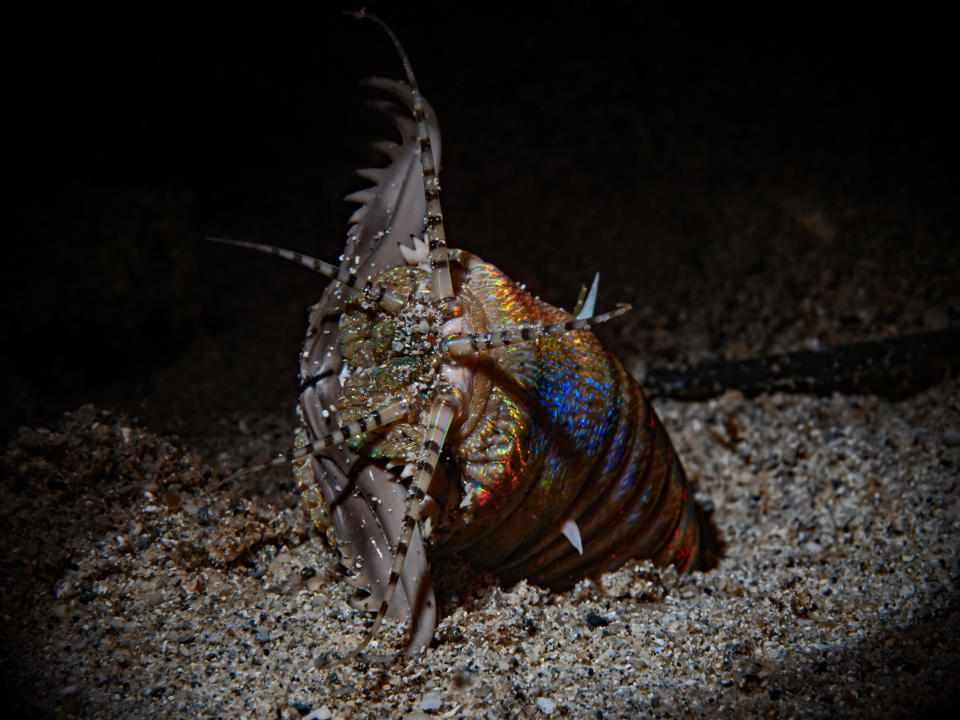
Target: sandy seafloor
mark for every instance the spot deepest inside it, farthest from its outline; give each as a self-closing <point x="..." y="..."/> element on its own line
<point x="746" y="196"/>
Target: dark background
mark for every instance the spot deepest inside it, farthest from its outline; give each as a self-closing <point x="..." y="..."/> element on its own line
<point x="752" y="181"/>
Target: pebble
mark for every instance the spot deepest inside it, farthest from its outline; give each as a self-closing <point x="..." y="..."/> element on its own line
<point x="596" y="621"/>
<point x="430" y="702"/>
<point x="546" y="705"/>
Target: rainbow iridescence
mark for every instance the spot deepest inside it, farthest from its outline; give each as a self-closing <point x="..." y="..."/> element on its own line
<point x="560" y="431"/>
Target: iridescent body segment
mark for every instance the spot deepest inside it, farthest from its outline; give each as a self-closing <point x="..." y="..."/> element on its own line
<point x="558" y="431"/>
<point x="446" y="409"/>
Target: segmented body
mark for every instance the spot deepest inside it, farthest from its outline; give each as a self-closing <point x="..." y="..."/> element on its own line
<point x="549" y="442"/>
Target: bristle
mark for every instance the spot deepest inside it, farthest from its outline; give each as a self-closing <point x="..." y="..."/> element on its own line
<point x="374" y="175"/>
<point x="371" y="290"/>
<point x="441" y="417"/>
<point x="440" y="283"/>
<point x="463" y="345"/>
<point x="378" y="418"/>
<point x="361" y="197"/>
<point x="587" y="300"/>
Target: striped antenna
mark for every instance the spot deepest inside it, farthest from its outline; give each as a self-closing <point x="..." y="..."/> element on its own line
<point x="368" y="289"/>
<point x="379" y="417"/>
<point x="463" y="345"/>
<point x="441" y="286"/>
<point x="442" y="413"/>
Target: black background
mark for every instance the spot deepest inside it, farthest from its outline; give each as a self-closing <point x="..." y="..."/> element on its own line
<point x="651" y="141"/>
